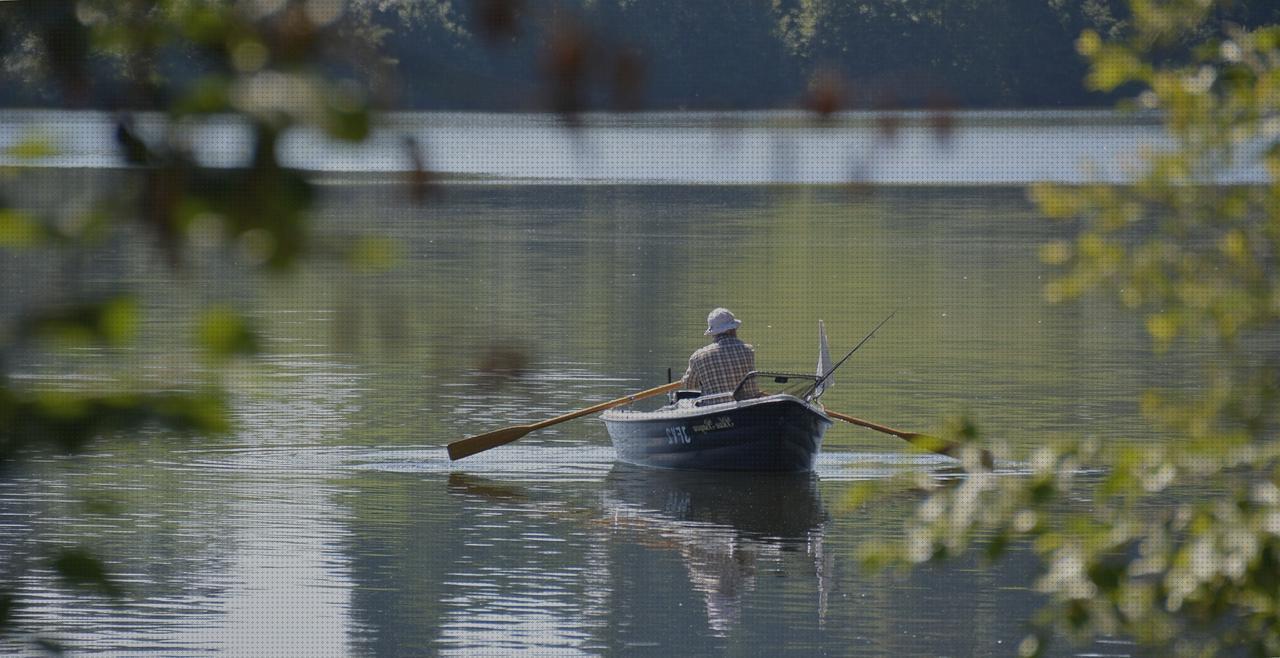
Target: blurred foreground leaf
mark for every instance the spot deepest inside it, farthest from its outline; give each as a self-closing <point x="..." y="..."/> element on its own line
<point x="110" y="322"/>
<point x="78" y="567"/>
<point x="224" y="333"/>
<point x="373" y="254"/>
<point x="71" y="420"/>
<point x="19" y="229"/>
<point x="31" y="147"/>
<point x="7" y="602"/>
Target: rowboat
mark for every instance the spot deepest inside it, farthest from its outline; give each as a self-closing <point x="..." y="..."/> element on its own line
<point x="723" y="431"/>
<point x="779" y="431"/>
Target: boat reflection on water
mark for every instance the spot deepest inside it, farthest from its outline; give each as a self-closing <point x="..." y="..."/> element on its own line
<point x="733" y="534"/>
<point x="728" y="529"/>
<point x="778" y="506"/>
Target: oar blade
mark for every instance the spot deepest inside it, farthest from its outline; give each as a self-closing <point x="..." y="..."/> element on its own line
<point x="948" y="448"/>
<point x="471" y="445"/>
<point x="481" y="442"/>
<point x="921" y="441"/>
<point x="929" y="443"/>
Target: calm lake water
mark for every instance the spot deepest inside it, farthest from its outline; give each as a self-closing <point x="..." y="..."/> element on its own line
<point x="332" y="523"/>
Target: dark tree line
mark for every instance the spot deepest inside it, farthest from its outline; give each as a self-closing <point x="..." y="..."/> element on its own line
<point x="713" y="54"/>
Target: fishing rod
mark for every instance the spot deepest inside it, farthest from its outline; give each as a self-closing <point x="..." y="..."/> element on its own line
<point x="839" y="363"/>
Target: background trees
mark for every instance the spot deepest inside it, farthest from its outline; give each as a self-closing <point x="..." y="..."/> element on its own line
<point x="1193" y="257"/>
<point x="488" y="54"/>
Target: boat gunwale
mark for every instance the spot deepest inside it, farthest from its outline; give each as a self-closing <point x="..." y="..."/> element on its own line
<point x="667" y="414"/>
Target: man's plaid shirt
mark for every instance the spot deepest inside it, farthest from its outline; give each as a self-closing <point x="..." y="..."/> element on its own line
<point x="718" y="367"/>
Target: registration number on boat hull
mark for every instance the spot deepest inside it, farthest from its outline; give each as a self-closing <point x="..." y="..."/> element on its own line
<point x="678" y="435"/>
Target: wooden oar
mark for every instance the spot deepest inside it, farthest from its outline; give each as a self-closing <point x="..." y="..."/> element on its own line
<point x="471" y="445"/>
<point x="923" y="441"/>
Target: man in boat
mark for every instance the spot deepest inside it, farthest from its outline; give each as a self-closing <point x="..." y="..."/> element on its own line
<point x="718" y="367"/>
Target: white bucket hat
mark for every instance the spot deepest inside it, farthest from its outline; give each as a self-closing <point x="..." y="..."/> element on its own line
<point x="720" y="321"/>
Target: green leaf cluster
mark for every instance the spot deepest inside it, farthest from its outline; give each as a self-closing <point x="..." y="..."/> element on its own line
<point x="267" y="69"/>
<point x="1180" y="545"/>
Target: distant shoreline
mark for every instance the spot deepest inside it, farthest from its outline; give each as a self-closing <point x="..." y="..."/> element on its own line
<point x="779" y="117"/>
<point x="446" y="179"/>
<point x="979" y="148"/>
